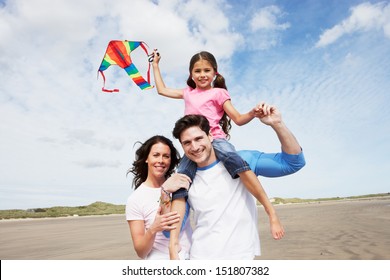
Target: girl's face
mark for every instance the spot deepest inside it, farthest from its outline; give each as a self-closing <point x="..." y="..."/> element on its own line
<point x="203" y="74"/>
<point x="159" y="160"/>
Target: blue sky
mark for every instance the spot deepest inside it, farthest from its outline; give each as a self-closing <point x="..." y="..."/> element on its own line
<point x="324" y="63"/>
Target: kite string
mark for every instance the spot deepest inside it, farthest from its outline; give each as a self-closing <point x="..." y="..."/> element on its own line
<point x="149" y="55"/>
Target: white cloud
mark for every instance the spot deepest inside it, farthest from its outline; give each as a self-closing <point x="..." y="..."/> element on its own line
<point x="61" y="136"/>
<point x="59" y="125"/>
<point x="266" y="28"/>
<point x="210" y="27"/>
<point x="96" y="163"/>
<point x="88" y="137"/>
<point x="365" y="17"/>
<point x="267" y="19"/>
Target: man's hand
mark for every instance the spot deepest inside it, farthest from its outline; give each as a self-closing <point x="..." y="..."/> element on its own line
<point x="175" y="182"/>
<point x="268" y="114"/>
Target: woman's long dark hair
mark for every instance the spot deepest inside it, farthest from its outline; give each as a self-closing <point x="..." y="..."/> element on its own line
<point x="140" y="167"/>
<point x="219" y="82"/>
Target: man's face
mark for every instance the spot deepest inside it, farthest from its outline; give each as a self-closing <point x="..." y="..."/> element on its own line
<point x="197" y="146"/>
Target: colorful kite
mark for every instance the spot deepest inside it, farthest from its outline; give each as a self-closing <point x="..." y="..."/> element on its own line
<point x="118" y="53"/>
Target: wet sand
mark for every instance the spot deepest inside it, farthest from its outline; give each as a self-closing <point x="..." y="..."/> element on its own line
<point x="339" y="230"/>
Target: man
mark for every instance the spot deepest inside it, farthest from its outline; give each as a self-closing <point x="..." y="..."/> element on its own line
<point x="225" y="213"/>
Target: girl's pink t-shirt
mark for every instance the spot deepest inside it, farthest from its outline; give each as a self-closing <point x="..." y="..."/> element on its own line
<point x="208" y="103"/>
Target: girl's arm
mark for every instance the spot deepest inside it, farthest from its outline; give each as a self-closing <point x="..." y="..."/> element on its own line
<point x="179" y="206"/>
<point x="160" y="85"/>
<point x="238" y="119"/>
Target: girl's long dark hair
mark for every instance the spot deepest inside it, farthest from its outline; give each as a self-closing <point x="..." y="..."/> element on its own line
<point x="140" y="167"/>
<point x="219" y="82"/>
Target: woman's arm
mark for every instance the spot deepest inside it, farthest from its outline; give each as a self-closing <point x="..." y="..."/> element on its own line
<point x="160" y="85"/>
<point x="143" y="239"/>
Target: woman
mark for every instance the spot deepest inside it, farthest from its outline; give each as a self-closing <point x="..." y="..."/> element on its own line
<point x="155" y="161"/>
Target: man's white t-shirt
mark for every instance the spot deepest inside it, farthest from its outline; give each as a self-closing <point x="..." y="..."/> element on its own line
<point x="142" y="204"/>
<point x="225" y="216"/>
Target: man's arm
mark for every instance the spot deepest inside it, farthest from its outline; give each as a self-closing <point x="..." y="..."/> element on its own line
<point x="270" y="115"/>
<point x="284" y="163"/>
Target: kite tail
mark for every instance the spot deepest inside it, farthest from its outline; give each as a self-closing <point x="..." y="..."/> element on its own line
<point x="148" y="73"/>
<point x="104" y="84"/>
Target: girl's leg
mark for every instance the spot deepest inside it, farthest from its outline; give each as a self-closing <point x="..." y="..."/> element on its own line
<point x="236" y="166"/>
<point x="188" y="168"/>
<point x="185" y="218"/>
<point x="253" y="185"/>
<point x="228" y="155"/>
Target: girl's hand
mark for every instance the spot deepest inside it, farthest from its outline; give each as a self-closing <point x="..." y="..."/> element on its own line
<point x="268" y="114"/>
<point x="156" y="57"/>
<point x="263" y="109"/>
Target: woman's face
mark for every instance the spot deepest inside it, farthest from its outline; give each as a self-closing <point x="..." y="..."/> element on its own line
<point x="159" y="160"/>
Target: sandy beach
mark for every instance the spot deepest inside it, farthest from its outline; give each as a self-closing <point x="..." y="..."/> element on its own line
<point x="338" y="230"/>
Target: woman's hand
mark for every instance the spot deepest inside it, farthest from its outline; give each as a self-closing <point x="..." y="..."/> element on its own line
<point x="164" y="221"/>
<point x="175" y="182"/>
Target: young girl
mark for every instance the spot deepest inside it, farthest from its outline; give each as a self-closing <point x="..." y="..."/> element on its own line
<point x="207" y="95"/>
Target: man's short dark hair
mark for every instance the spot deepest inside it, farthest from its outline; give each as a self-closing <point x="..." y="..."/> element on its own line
<point x="190" y="121"/>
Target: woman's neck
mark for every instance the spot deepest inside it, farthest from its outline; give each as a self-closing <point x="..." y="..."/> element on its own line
<point x="154" y="182"/>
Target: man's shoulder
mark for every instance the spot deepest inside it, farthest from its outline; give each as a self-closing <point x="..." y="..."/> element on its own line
<point x="216" y="166"/>
<point x="216" y="174"/>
